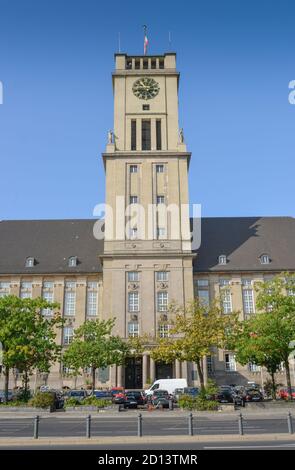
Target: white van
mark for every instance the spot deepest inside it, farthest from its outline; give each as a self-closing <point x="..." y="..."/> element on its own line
<point x="166" y="384"/>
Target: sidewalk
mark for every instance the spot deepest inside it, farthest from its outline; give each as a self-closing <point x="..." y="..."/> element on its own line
<point x="63" y="441"/>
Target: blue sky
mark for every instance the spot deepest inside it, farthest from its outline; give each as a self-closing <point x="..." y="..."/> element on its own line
<point x="236" y="59"/>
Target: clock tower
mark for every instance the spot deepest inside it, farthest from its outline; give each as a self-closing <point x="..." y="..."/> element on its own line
<point x="147" y="260"/>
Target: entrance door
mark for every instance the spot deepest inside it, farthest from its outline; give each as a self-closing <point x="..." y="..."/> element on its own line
<point x="133" y="372"/>
<point x="164" y="371"/>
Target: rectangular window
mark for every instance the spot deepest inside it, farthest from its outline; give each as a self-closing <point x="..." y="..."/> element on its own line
<point x="224" y="282"/>
<point x="158" y="134"/>
<point x="159" y="168"/>
<point x="153" y="63"/>
<point x="162" y="276"/>
<point x="160" y="199"/>
<point x="146" y="134"/>
<point x="145" y="63"/>
<point x="145" y="107"/>
<point x="161" y="233"/>
<point x="137" y="64"/>
<point x="91" y="303"/>
<point x="203" y="296"/>
<point x="4" y="289"/>
<point x="226" y="301"/>
<point x="48" y="296"/>
<point x="133" y="134"/>
<point x="70" y="285"/>
<point x="163" y="330"/>
<point x="161" y="63"/>
<point x="26" y="290"/>
<point x="162" y="301"/>
<point x="133" y="276"/>
<point x="68" y="335"/>
<point x="202" y="283"/>
<point x="133" y="233"/>
<point x="133" y="330"/>
<point x="92" y="285"/>
<point x="246" y="282"/>
<point x="133" y="302"/>
<point x="253" y="367"/>
<point x="70" y="303"/>
<point x="230" y="362"/>
<point x="209" y="364"/>
<point x="133" y="168"/>
<point x="248" y="301"/>
<point x="133" y="200"/>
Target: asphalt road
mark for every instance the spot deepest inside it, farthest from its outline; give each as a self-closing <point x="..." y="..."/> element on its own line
<point x="152" y="426"/>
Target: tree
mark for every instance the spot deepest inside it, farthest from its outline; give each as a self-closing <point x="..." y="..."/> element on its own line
<point x="267" y="339"/>
<point x="196" y="330"/>
<point x="94" y="347"/>
<point x="28" y="338"/>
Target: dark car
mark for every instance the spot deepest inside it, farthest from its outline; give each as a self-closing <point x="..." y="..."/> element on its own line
<point x="225" y="396"/>
<point x="253" y="395"/>
<point x="138" y="395"/>
<point x="160" y="398"/>
<point x="130" y="401"/>
<point x="103" y="394"/>
<point x="77" y="394"/>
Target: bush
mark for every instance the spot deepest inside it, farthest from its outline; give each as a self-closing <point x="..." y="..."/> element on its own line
<point x="187" y="402"/>
<point x="89" y="401"/>
<point x="42" y="400"/>
<point x="72" y="402"/>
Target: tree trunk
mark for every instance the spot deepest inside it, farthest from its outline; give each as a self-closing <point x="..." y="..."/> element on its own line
<point x="6" y="384"/>
<point x="273" y="385"/>
<point x="26" y="384"/>
<point x="200" y="374"/>
<point x="288" y="377"/>
<point x="93" y="379"/>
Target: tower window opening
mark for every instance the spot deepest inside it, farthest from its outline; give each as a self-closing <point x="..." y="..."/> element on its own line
<point x="161" y="63"/>
<point x="133" y="134"/>
<point x="158" y="134"/>
<point x="145" y="64"/>
<point x="153" y="63"/>
<point x="137" y="64"/>
<point x="146" y="134"/>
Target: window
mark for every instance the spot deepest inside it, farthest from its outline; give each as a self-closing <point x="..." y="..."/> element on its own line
<point x="47" y="285"/>
<point x="26" y="290"/>
<point x="91" y="303"/>
<point x="146" y="134"/>
<point x="4" y="289"/>
<point x="137" y="64"/>
<point x="153" y="63"/>
<point x="133" y="233"/>
<point x="203" y="296"/>
<point x="162" y="276"/>
<point x="145" y="63"/>
<point x="133" y="302"/>
<point x="202" y="283"/>
<point x="30" y="262"/>
<point x="72" y="261"/>
<point x="161" y="63"/>
<point x="248" y="301"/>
<point x="145" y="107"/>
<point x="70" y="299"/>
<point x="162" y="301"/>
<point x="161" y="233"/>
<point x="222" y="259"/>
<point x="264" y="259"/>
<point x="159" y="168"/>
<point x="230" y="362"/>
<point x="133" y="134"/>
<point x="224" y="282"/>
<point x="253" y="367"/>
<point x="68" y="335"/>
<point x="133" y="200"/>
<point x="226" y="301"/>
<point x="158" y="135"/>
<point x="92" y="285"/>
<point x="133" y="330"/>
<point x="209" y="364"/>
<point x="133" y="168"/>
<point x="133" y="276"/>
<point x="160" y="199"/>
<point x="128" y="63"/>
<point x="48" y="296"/>
<point x="163" y="330"/>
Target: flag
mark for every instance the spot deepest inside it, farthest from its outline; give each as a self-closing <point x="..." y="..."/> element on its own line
<point x="145" y="41"/>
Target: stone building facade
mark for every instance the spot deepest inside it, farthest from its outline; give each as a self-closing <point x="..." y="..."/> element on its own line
<point x="145" y="262"/>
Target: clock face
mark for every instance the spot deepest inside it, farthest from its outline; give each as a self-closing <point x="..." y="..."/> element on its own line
<point x="145" y="88"/>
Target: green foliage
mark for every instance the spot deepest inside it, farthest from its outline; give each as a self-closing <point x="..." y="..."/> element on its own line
<point x="42" y="400"/>
<point x="28" y="338"/>
<point x="95" y="347"/>
<point x="89" y="401"/>
<point x="196" y="330"/>
<point x="198" y="403"/>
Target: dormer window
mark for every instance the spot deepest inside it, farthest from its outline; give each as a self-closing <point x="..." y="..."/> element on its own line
<point x="73" y="261"/>
<point x="264" y="259"/>
<point x="222" y="259"/>
<point x="30" y="262"/>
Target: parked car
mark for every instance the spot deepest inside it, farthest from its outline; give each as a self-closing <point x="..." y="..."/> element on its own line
<point x="166" y="384"/>
<point x="225" y="395"/>
<point x="119" y="398"/>
<point x="160" y="398"/>
<point x="116" y="390"/>
<point x="191" y="391"/>
<point x="11" y="395"/>
<point x="103" y="394"/>
<point x="138" y="395"/>
<point x="77" y="394"/>
<point x="283" y="393"/>
<point x="130" y="401"/>
<point x="253" y="395"/>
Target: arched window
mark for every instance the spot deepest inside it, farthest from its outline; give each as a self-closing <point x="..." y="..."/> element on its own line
<point x="72" y="261"/>
<point x="264" y="259"/>
<point x="30" y="262"/>
<point x="222" y="259"/>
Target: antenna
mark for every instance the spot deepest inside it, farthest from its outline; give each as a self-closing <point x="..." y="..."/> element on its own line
<point x="119" y="42"/>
